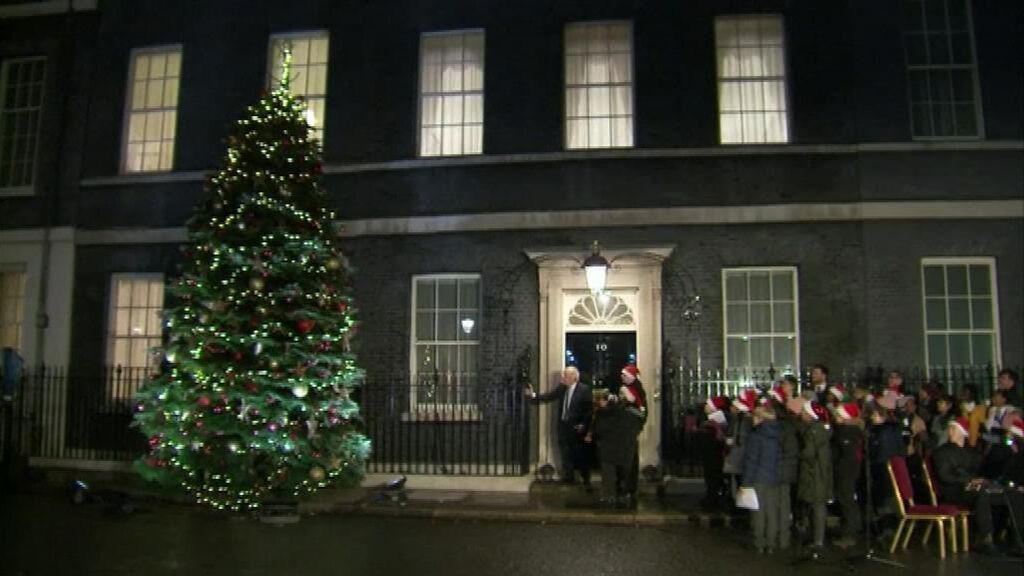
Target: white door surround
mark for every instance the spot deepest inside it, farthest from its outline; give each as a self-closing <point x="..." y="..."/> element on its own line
<point x="636" y="272"/>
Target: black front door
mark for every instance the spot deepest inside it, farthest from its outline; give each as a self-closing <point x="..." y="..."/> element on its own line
<point x="600" y="356"/>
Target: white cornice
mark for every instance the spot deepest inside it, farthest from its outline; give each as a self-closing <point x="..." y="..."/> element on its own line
<point x="46" y="8"/>
<point x="505" y="221"/>
<point x="615" y="154"/>
<point x="688" y="215"/>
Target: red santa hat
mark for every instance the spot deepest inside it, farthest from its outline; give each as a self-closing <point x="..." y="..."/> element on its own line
<point x="746" y="402"/>
<point x="848" y="411"/>
<point x="960" y="423"/>
<point x="839" y="391"/>
<point x="631" y="394"/>
<point x="778" y="394"/>
<point x="632" y="370"/>
<point x="718" y="403"/>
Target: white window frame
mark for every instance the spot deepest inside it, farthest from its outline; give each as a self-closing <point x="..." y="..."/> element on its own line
<point x="964" y="261"/>
<point x="979" y="116"/>
<point x="33" y="156"/>
<point x="447" y="411"/>
<point x="760" y="80"/>
<point x="153" y="363"/>
<point x="566" y="86"/>
<point x="18" y="322"/>
<point x="796" y="315"/>
<point x="128" y="109"/>
<point x="481" y="92"/>
<point x="273" y="56"/>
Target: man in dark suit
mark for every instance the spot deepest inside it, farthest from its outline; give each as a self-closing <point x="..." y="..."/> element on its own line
<point x="956" y="469"/>
<point x="575" y="410"/>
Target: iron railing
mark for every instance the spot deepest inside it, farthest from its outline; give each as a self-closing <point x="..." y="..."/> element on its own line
<point x="437" y="425"/>
<point x="427" y="424"/>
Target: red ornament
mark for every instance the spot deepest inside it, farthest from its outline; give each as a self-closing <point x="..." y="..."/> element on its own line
<point x="251" y="386"/>
<point x="305" y="326"/>
<point x="154" y="441"/>
<point x="203" y="401"/>
<point x="238" y="356"/>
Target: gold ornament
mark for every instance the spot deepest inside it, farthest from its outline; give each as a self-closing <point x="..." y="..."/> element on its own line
<point x="300" y="390"/>
<point x="317" y="474"/>
<point x="333" y="264"/>
<point x="257" y="284"/>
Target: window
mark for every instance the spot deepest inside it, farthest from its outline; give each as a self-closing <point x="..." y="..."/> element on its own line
<point x="941" y="69"/>
<point x="451" y="93"/>
<point x="960" y="313"/>
<point x="12" y="308"/>
<point x="309" y="73"/>
<point x="152" y="109"/>
<point x="446" y="339"/>
<point x="599" y="85"/>
<point x="21" y="101"/>
<point x="135" y="327"/>
<point x="761" y="326"/>
<point x="751" y="79"/>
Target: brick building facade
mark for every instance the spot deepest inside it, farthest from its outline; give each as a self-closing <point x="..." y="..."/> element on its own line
<point x="897" y="171"/>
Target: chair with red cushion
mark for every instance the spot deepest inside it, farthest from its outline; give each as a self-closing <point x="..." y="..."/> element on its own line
<point x="911" y="513"/>
<point x="962" y="513"/>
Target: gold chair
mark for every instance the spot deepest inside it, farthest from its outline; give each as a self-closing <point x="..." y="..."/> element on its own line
<point x="911" y="514"/>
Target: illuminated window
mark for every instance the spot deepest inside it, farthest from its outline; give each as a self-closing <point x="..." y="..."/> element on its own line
<point x="452" y="93"/>
<point x="446" y="338"/>
<point x="12" y="308"/>
<point x="135" y="327"/>
<point x="152" y="109"/>
<point x="751" y="80"/>
<point x="761" y="326"/>
<point x="599" y="85"/>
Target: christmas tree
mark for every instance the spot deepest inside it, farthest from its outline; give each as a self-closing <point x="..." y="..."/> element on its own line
<point x="253" y="399"/>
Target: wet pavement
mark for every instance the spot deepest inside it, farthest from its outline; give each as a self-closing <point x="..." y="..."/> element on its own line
<point x="43" y="532"/>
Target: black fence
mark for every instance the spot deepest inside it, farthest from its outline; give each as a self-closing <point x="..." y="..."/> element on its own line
<point x="446" y="424"/>
<point x="686" y="391"/>
<point x="55" y="415"/>
<point x="441" y="424"/>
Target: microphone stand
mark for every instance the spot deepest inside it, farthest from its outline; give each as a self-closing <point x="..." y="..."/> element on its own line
<point x="869" y="543"/>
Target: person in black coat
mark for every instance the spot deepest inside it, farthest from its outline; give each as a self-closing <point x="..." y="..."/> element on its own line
<point x="761" y="462"/>
<point x="575" y="412"/>
<point x="614" y="430"/>
<point x="1013" y="476"/>
<point x="885" y="440"/>
<point x="956" y="471"/>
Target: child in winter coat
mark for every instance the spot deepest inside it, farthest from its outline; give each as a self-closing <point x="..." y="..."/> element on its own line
<point x="615" y="430"/>
<point x="847" y="453"/>
<point x="712" y="450"/>
<point x="761" y="461"/>
<point x="815" y="485"/>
